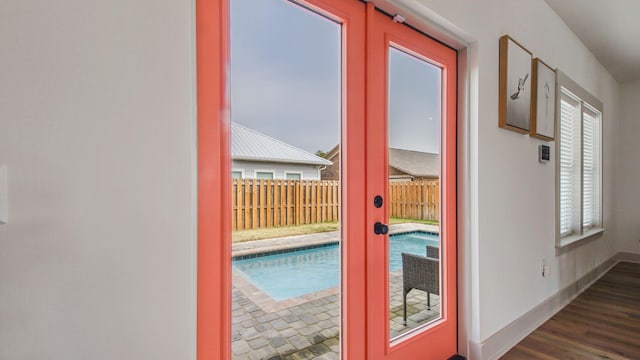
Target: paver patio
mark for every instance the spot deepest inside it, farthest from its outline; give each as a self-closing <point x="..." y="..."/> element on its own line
<point x="307" y="327"/>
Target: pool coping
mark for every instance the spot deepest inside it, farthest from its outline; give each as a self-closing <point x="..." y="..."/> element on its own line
<point x="251" y="249"/>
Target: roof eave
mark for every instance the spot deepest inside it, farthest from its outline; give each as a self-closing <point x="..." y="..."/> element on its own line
<point x="283" y="161"/>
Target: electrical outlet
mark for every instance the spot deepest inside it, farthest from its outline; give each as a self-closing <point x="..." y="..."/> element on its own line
<point x="545" y="268"/>
<point x="546" y="271"/>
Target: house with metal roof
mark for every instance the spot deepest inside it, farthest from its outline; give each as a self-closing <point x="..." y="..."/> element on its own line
<point x="409" y="165"/>
<point x="404" y="165"/>
<point x="255" y="155"/>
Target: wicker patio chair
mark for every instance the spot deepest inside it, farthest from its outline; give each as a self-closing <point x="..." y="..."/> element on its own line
<point x="433" y="252"/>
<point x="422" y="273"/>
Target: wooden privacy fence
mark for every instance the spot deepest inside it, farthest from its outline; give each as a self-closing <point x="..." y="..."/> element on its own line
<point x="263" y="203"/>
<point x="260" y="203"/>
<point x="415" y="200"/>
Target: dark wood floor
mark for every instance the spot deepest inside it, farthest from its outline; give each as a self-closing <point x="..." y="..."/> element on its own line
<point x="602" y="323"/>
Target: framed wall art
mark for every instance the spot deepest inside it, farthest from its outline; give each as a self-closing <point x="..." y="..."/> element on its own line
<point x="543" y="108"/>
<point x="514" y="103"/>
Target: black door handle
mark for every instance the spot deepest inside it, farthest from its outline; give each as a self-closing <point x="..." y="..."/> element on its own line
<point x="380" y="228"/>
<point x="377" y="201"/>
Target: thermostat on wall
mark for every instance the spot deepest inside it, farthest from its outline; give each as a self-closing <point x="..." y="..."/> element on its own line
<point x="544" y="153"/>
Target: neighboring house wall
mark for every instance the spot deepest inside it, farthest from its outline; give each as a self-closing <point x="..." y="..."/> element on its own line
<point x="399" y="174"/>
<point x="332" y="172"/>
<point x="249" y="168"/>
<point x="395" y="172"/>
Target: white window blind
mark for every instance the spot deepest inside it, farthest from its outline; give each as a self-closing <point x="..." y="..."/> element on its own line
<point x="579" y="163"/>
<point x="590" y="167"/>
<point x="569" y="162"/>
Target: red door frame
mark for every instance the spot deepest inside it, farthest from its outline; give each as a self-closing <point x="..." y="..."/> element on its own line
<point x="214" y="249"/>
<point x="213" y="333"/>
<point x="213" y="329"/>
<point x="382" y="31"/>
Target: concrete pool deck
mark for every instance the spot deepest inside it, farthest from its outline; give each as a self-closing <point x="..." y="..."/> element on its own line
<point x="307" y="327"/>
<point x="292" y="242"/>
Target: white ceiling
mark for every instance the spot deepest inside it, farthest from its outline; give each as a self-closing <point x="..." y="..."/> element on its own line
<point x="609" y="28"/>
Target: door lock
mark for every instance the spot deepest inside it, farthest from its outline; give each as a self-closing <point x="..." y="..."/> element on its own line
<point x="380" y="228"/>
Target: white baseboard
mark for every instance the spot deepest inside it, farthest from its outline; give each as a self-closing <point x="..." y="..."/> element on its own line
<point x="503" y="340"/>
<point x="628" y="257"/>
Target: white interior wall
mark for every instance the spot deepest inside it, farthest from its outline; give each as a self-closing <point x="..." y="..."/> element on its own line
<point x="97" y="123"/>
<point x="628" y="209"/>
<point x="512" y="194"/>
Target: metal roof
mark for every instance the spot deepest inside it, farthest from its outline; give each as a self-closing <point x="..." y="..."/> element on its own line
<point x="248" y="144"/>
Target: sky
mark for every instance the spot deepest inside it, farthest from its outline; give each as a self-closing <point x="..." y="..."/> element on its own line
<point x="414" y="103"/>
<point x="286" y="80"/>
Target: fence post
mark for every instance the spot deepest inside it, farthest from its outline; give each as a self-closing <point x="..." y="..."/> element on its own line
<point x="269" y="203"/>
<point x="247" y="204"/>
<point x="298" y="203"/>
<point x="285" y="202"/>
<point x="288" y="202"/>
<point x="313" y="202"/>
<point x="309" y="203"/>
<point x="234" y="204"/>
<point x="276" y="203"/>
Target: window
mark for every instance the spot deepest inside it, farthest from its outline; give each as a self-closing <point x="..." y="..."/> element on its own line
<point x="264" y="175"/>
<point x="293" y="176"/>
<point x="579" y="163"/>
<point x="236" y="174"/>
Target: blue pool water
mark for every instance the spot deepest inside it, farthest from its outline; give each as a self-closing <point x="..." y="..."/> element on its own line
<point x="292" y="274"/>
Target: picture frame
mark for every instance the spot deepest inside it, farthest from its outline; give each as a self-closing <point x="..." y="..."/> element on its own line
<point x="543" y="101"/>
<point x="514" y="104"/>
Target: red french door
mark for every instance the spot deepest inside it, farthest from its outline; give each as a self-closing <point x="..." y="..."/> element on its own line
<point x="411" y="165"/>
<point x="375" y="52"/>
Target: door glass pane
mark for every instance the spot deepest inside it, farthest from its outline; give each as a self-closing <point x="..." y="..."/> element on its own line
<point x="286" y="113"/>
<point x="414" y="192"/>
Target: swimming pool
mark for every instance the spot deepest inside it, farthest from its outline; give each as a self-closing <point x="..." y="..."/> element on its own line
<point x="291" y="274"/>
